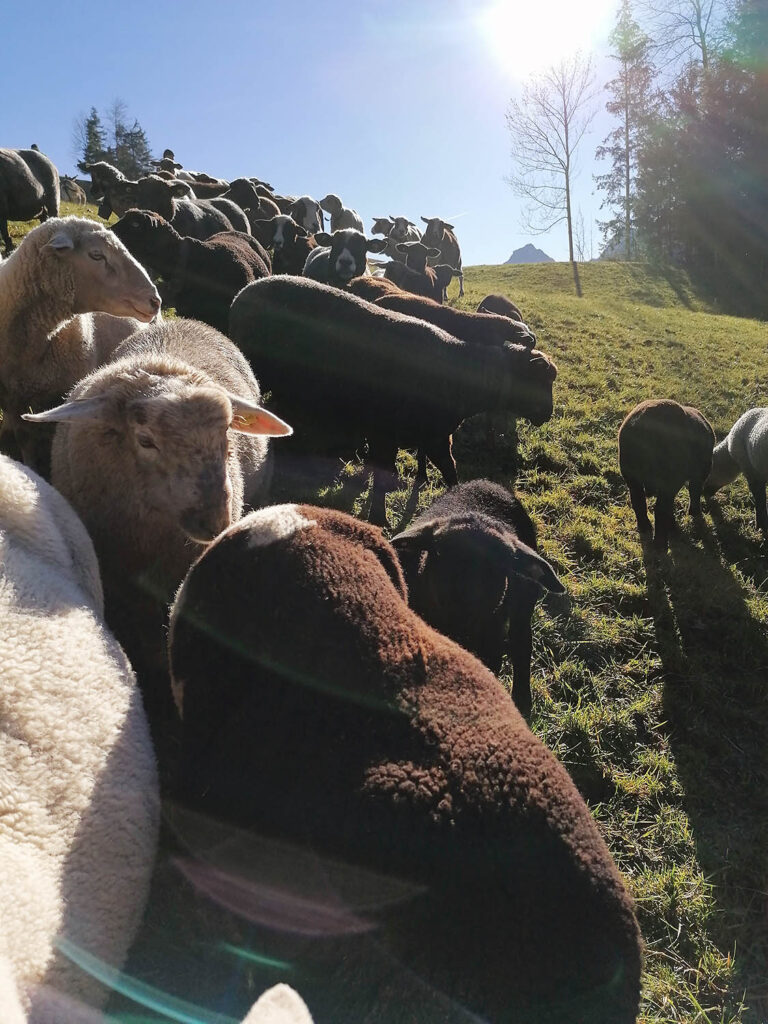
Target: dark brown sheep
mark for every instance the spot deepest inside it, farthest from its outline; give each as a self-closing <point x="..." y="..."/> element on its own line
<point x="500" y="305"/>
<point x="29" y="187"/>
<point x="662" y="446"/>
<point x="373" y="288"/>
<point x="439" y="234"/>
<point x="480" y="329"/>
<point x="289" y="242"/>
<point x="464" y="876"/>
<point x="349" y="370"/>
<point x="193" y="218"/>
<point x="473" y="572"/>
<point x="201" y="278"/>
<point x="414" y="275"/>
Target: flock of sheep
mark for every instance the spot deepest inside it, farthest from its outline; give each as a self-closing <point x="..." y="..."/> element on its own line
<point x="301" y="676"/>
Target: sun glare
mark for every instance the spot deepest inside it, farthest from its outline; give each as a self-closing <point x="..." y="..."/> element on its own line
<point x="528" y="37"/>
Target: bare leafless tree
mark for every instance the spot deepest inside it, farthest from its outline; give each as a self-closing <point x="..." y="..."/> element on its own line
<point x="546" y="126"/>
<point x="684" y="31"/>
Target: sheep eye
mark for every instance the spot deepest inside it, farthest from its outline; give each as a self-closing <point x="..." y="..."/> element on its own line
<point x="96" y="255"/>
<point x="146" y="442"/>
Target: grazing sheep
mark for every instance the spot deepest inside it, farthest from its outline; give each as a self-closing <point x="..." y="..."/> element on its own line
<point x="340" y="257"/>
<point x="78" y="783"/>
<point x="439" y="235"/>
<point x="501" y="306"/>
<point x="341" y="216"/>
<point x="29" y="187"/>
<point x="158" y="451"/>
<point x="290" y="243"/>
<point x="744" y="450"/>
<point x="200" y="278"/>
<point x="307" y="213"/>
<point x="71" y="192"/>
<point x="473" y="327"/>
<point x="349" y="370"/>
<point x="54" y="293"/>
<point x="322" y="712"/>
<point x="662" y="446"/>
<point x="414" y="275"/>
<point x="473" y="573"/>
<point x="193" y="218"/>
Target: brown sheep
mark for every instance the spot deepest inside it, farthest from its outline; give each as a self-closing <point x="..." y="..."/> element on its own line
<point x="439" y="234"/>
<point x="500" y="305"/>
<point x="480" y="329"/>
<point x="662" y="446"/>
<point x="465" y="877"/>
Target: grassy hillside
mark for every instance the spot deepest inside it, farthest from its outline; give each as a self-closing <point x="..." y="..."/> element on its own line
<point x="652" y="690"/>
<point x="651" y="687"/>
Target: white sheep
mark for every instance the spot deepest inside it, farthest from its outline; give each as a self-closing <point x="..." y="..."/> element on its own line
<point x="78" y="784"/>
<point x="69" y="295"/>
<point x="744" y="450"/>
<point x="157" y="451"/>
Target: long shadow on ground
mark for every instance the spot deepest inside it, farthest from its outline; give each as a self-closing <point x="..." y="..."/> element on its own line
<point x="715" y="657"/>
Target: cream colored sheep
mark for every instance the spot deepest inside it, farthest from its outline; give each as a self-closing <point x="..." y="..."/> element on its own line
<point x="55" y="290"/>
<point x="78" y="785"/>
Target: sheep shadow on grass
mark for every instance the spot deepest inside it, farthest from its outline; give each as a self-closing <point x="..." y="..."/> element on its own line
<point x="715" y="701"/>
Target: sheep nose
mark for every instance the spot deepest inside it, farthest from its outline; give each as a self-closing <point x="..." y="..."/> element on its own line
<point x="155" y="303"/>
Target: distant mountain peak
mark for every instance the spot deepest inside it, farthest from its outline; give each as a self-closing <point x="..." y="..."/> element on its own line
<point x="529" y="254"/>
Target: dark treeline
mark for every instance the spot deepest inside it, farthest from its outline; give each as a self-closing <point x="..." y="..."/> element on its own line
<point x="688" y="178"/>
<point x="114" y="138"/>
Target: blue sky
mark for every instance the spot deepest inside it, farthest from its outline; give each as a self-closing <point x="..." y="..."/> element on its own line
<point x="398" y="107"/>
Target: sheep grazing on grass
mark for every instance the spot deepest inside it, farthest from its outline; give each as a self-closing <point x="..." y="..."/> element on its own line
<point x="71" y="192"/>
<point x="200" y="278"/>
<point x="340" y="257"/>
<point x="500" y="305"/>
<point x="320" y="711"/>
<point x="29" y="188"/>
<point x="54" y="293"/>
<point x="662" y="446"/>
<point x="348" y="371"/>
<point x="341" y="216"/>
<point x="473" y="572"/>
<point x="290" y="243"/>
<point x="158" y="451"/>
<point x="480" y="329"/>
<point x="195" y="218"/>
<point x="744" y="450"/>
<point x="78" y="784"/>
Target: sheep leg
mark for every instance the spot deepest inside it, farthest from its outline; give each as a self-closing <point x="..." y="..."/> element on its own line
<point x="639" y="504"/>
<point x="421" y="468"/>
<point x="9" y="246"/>
<point x="664" y="515"/>
<point x="382" y="456"/>
<point x="757" y="488"/>
<point x="441" y="454"/>
<point x="519" y="651"/>
<point x="695" y="488"/>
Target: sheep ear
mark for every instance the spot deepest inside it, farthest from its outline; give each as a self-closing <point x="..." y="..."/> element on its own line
<point x="86" y="409"/>
<point x="249" y="418"/>
<point x="410" y="223"/>
<point x="417" y="538"/>
<point x="524" y="561"/>
<point x="377" y="245"/>
<point x="450" y="227"/>
<point x="180" y="189"/>
<point x="323" y="238"/>
<point x="425" y="219"/>
<point x="61" y="240"/>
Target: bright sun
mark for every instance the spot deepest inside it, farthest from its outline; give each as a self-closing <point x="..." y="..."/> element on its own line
<point x="527" y="36"/>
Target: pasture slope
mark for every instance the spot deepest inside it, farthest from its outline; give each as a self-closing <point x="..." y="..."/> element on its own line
<point x="652" y="687"/>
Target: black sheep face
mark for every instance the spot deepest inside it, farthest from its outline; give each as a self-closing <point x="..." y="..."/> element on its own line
<point x="348" y="253"/>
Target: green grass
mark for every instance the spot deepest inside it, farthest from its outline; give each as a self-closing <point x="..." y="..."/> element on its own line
<point x="652" y="686"/>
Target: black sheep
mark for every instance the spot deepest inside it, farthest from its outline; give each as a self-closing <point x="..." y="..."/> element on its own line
<point x="465" y="877"/>
<point x="662" y="446"/>
<point x="414" y="275"/>
<point x="349" y="371"/>
<point x="473" y="572"/>
<point x="290" y="243"/>
<point x="500" y="305"/>
<point x="200" y="278"/>
<point x="481" y="329"/>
